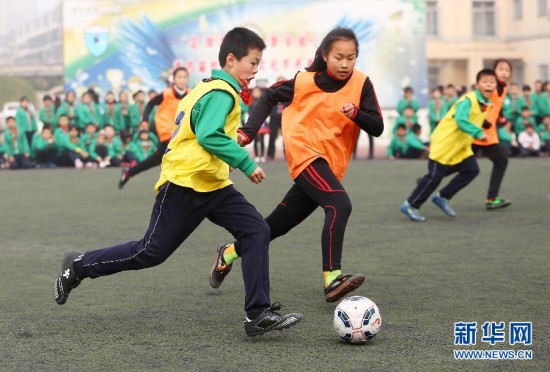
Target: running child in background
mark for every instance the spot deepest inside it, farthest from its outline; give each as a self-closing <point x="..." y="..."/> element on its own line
<point x="167" y="103"/>
<point x="490" y="146"/>
<point x="194" y="185"/>
<point x="451" y="149"/>
<point x="330" y="104"/>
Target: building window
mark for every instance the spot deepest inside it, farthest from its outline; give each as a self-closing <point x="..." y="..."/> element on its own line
<point x="543" y="72"/>
<point x="518" y="11"/>
<point x="432" y="28"/>
<point x="433" y="77"/>
<point x="483" y="15"/>
<point x="542" y="8"/>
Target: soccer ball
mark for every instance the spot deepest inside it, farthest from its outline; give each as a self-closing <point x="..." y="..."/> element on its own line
<point x="357" y="320"/>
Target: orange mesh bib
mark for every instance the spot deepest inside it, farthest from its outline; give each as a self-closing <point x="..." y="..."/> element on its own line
<point x="166" y="113"/>
<point x="314" y="127"/>
<point x="492" y="114"/>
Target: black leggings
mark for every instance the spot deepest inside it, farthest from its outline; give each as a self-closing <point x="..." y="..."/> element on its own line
<point x="498" y="156"/>
<point x="315" y="186"/>
<point x="151" y="161"/>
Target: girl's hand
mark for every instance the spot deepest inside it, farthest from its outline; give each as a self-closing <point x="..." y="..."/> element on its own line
<point x="348" y="109"/>
<point x="241" y="140"/>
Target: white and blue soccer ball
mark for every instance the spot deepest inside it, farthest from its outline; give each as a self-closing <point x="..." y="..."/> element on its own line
<point x="357" y="320"/>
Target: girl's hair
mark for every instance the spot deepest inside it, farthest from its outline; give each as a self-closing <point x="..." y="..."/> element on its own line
<point x="502" y="60"/>
<point x="339" y="33"/>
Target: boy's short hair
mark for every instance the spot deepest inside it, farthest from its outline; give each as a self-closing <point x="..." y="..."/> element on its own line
<point x="525" y="108"/>
<point x="23" y="98"/>
<point x="526" y="88"/>
<point x="91" y="124"/>
<point x="238" y="42"/>
<point x="485" y="72"/>
<point x="46" y="126"/>
<point x="47" y="97"/>
<point x="63" y="116"/>
<point x="10" y="118"/>
<point x="408" y="90"/>
<point x="401" y="126"/>
<point x="416" y="128"/>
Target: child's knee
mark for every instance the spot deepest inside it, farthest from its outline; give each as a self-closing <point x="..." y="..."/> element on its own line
<point x="263" y="231"/>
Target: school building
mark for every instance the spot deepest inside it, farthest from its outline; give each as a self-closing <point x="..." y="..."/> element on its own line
<point x="464" y="36"/>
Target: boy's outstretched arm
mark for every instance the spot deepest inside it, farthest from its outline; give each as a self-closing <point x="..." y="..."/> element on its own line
<point x="208" y="119"/>
<point x="462" y="116"/>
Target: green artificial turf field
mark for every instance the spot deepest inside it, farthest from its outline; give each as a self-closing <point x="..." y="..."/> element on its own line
<point x="481" y="266"/>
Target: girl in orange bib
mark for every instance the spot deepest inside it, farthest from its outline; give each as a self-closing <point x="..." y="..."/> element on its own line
<point x="329" y="105"/>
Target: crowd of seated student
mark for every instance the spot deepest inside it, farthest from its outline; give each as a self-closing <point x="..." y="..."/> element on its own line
<point x="525" y="132"/>
<point x="81" y="135"/>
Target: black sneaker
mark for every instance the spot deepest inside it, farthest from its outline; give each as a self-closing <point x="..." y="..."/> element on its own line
<point x="66" y="280"/>
<point x="343" y="285"/>
<point x="270" y="320"/>
<point x="124" y="177"/>
<point x="220" y="269"/>
<point x="497" y="203"/>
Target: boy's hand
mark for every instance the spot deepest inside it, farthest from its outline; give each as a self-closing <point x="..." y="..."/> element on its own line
<point x="483" y="138"/>
<point x="348" y="109"/>
<point x="257" y="176"/>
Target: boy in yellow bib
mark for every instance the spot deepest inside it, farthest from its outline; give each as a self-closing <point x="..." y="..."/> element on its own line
<point x="194" y="185"/>
<point x="451" y="149"/>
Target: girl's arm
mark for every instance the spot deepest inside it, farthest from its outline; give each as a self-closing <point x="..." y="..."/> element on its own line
<point x="369" y="116"/>
<point x="282" y="91"/>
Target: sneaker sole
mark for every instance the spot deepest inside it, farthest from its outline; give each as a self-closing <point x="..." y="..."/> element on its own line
<point x="443" y="210"/>
<point x="411" y="218"/>
<point x="212" y="283"/>
<point x="349" y="286"/>
<point x="490" y="208"/>
<point x="291" y="320"/>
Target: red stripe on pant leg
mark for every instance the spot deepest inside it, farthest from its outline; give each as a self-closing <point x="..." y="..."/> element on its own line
<point x="314" y="184"/>
<point x="330" y="237"/>
<point x="321" y="179"/>
<point x="314" y="175"/>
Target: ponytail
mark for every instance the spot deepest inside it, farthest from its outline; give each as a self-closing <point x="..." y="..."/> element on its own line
<point x="339" y="33"/>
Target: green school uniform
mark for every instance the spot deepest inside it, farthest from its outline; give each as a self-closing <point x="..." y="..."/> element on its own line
<point x="47" y="115"/>
<point x="396" y="144"/>
<point x="413" y="141"/>
<point x="403" y="120"/>
<point x="532" y="104"/>
<point x="142" y="150"/>
<point x="152" y="136"/>
<point x="39" y="143"/>
<point x="520" y="124"/>
<point x="26" y="122"/>
<point x="114" y="147"/>
<point x="16" y="143"/>
<point x="504" y="135"/>
<point x="112" y="114"/>
<point x="404" y="103"/>
<point x="543" y="104"/>
<point x="70" y="111"/>
<point x="63" y="141"/>
<point x="86" y="140"/>
<point x="88" y="114"/>
<point x="136" y="115"/>
<point x="436" y="111"/>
